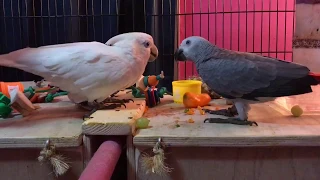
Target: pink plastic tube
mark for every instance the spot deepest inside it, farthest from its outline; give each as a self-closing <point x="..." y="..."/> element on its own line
<point x="103" y="162"/>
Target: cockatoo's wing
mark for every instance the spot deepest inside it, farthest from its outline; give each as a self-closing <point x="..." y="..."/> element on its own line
<point x="246" y="75"/>
<point x="85" y="65"/>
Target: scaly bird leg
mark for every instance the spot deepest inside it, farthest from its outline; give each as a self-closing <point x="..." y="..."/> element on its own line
<point x="230" y="112"/>
<point x="113" y="100"/>
<point x="240" y="108"/>
<point x="99" y="106"/>
<point x="235" y="121"/>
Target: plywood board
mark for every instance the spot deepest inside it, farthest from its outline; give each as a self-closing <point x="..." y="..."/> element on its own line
<point x="276" y="128"/>
<point x="59" y="121"/>
<point x="118" y="121"/>
<point x="224" y="163"/>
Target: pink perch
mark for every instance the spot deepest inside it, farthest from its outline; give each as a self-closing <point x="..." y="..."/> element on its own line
<point x="103" y="163"/>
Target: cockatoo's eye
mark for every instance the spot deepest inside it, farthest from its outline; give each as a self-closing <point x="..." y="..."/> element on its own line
<point x="146" y="44"/>
<point x="188" y="42"/>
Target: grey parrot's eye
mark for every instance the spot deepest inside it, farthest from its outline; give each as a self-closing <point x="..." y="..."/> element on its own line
<point x="146" y="44"/>
<point x="188" y="42"/>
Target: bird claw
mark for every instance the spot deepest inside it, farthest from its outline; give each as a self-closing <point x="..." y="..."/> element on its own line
<point x="223" y="112"/>
<point x="230" y="121"/>
<point x="111" y="100"/>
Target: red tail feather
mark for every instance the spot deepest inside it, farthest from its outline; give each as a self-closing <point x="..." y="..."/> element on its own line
<point x="315" y="76"/>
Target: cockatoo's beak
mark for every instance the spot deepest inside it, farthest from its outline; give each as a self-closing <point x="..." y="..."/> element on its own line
<point x="153" y="53"/>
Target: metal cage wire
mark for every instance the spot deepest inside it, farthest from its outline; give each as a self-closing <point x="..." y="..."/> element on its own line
<point x="260" y="26"/>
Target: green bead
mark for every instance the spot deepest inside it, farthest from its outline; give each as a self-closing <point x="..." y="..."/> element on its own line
<point x="5" y="110"/>
<point x="4" y="99"/>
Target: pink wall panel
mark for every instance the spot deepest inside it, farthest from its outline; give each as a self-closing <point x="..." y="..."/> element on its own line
<point x="260" y="26"/>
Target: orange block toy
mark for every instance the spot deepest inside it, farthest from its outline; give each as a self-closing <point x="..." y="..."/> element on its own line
<point x="6" y="87"/>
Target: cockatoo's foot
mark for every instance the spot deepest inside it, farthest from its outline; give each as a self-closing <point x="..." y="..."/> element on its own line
<point x="230" y="112"/>
<point x="114" y="94"/>
<point x="112" y="100"/>
<point x="235" y="121"/>
<point x="101" y="106"/>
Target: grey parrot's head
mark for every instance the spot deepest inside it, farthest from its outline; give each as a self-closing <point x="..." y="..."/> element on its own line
<point x="194" y="48"/>
<point x="142" y="41"/>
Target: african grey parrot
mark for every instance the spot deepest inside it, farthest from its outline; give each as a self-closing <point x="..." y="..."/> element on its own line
<point x="89" y="71"/>
<point x="244" y="78"/>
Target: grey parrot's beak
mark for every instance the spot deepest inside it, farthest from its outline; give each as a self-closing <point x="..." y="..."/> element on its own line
<point x="179" y="56"/>
<point x="153" y="53"/>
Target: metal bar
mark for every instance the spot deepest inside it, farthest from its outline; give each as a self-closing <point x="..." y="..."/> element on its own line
<point x="209" y="20"/>
<point x="71" y="20"/>
<point x="154" y="26"/>
<point x="254" y="19"/>
<point x="192" y="64"/>
<point x="20" y="25"/>
<point x="50" y="39"/>
<point x="269" y="28"/>
<point x="223" y="23"/>
<point x="285" y="28"/>
<point x="41" y="13"/>
<point x="293" y="30"/>
<point x="12" y="24"/>
<point x="57" y="36"/>
<point x="246" y="25"/>
<point x="87" y="17"/>
<point x="64" y="22"/>
<point x="93" y="27"/>
<point x="34" y="24"/>
<point x="215" y="22"/>
<point x="27" y="28"/>
<point x="230" y="25"/>
<point x="277" y="29"/>
<point x="238" y="25"/>
<point x="109" y="18"/>
<point x="145" y="15"/>
<point x="79" y="19"/>
<point x="261" y="35"/>
<point x="102" y="23"/>
<point x="185" y="35"/>
<point x="162" y="26"/>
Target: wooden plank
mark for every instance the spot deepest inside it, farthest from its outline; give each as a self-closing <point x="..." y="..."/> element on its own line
<point x="59" y="121"/>
<point x="259" y="163"/>
<point x="17" y="164"/>
<point x="131" y="166"/>
<point x="276" y="127"/>
<point x="118" y="121"/>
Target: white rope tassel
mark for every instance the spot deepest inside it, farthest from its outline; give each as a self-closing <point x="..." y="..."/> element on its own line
<point x="48" y="154"/>
<point x="156" y="163"/>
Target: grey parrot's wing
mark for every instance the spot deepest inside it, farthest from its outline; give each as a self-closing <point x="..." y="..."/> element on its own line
<point x="235" y="74"/>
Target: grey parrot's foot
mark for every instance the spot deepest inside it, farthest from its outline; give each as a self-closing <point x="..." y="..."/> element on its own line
<point x="230" y="112"/>
<point x="112" y="100"/>
<point x="101" y="106"/>
<point x="235" y="121"/>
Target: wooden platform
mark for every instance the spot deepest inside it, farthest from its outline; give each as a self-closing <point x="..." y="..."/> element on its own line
<point x="59" y="121"/>
<point x="276" y="128"/>
<point x="119" y="121"/>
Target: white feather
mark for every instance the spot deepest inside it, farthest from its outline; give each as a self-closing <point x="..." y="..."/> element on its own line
<point x="87" y="70"/>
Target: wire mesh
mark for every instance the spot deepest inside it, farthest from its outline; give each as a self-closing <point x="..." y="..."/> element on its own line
<point x="259" y="26"/>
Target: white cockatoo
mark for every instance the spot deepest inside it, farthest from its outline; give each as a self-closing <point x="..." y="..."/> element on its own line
<point x="89" y="71"/>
